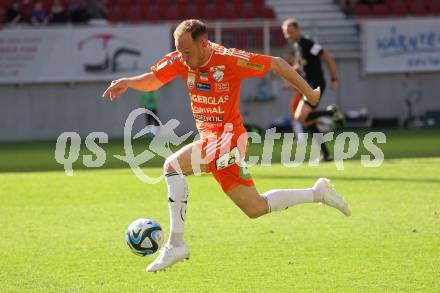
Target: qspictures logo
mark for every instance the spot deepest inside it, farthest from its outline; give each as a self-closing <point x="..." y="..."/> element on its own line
<point x="346" y="146"/>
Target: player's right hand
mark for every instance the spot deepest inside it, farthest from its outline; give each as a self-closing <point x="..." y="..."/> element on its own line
<point x="116" y="89"/>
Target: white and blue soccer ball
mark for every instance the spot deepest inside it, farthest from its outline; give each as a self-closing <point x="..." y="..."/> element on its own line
<point x="144" y="237"/>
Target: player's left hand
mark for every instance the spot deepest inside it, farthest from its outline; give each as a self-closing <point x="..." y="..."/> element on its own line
<point x="334" y="85"/>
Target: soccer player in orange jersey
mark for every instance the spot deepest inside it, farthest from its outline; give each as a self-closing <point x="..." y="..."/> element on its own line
<point x="213" y="74"/>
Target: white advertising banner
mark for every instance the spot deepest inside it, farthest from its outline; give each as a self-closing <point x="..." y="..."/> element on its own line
<point x="70" y="54"/>
<point x="404" y="45"/>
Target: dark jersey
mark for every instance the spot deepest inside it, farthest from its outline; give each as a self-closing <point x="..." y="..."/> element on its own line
<point x="308" y="53"/>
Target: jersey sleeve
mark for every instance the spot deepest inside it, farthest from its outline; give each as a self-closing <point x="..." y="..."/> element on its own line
<point x="251" y="65"/>
<point x="315" y="49"/>
<point x="167" y="68"/>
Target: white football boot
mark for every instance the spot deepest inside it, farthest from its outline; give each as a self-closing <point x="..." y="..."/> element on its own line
<point x="330" y="196"/>
<point x="167" y="257"/>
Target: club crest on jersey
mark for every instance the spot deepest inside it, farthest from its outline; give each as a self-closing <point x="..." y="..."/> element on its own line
<point x="191" y="80"/>
<point x="218" y="72"/>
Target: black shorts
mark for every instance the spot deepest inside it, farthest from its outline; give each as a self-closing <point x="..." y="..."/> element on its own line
<point x="314" y="86"/>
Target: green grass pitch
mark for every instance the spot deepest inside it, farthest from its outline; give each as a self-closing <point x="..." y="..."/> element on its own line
<point x="66" y="234"/>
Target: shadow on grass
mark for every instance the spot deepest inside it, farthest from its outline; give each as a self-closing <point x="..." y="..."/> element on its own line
<point x="40" y="156"/>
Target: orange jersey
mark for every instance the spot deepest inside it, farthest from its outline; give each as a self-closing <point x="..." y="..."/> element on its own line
<point x="214" y="89"/>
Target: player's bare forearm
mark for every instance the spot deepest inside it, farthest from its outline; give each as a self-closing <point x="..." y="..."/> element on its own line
<point x="330" y="64"/>
<point x="145" y="82"/>
<point x="283" y="69"/>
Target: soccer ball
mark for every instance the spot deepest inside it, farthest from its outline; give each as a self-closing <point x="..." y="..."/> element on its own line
<point x="144" y="237"/>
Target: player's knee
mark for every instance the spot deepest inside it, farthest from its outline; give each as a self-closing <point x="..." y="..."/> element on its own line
<point x="301" y="117"/>
<point x="254" y="213"/>
<point x="253" y="216"/>
<point x="169" y="164"/>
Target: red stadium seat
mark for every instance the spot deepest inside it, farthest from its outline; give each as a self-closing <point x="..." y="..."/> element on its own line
<point x="361" y="9"/>
<point x="114" y="15"/>
<point x="26" y="10"/>
<point x="398" y="7"/>
<point x="238" y="5"/>
<point x="152" y="12"/>
<point x="258" y="4"/>
<point x="276" y="37"/>
<point x="132" y="13"/>
<point x="143" y="7"/>
<point x="259" y="8"/>
<point x="47" y="4"/>
<point x="211" y="10"/>
<point x="174" y="10"/>
<point x="417" y="8"/>
<point x="142" y="3"/>
<point x="124" y="8"/>
<point x="66" y="3"/>
<point x="113" y="6"/>
<point x="380" y="10"/>
<point x="229" y="10"/>
<point x="268" y="12"/>
<point x="2" y="15"/>
<point x="123" y="2"/>
<point x="162" y="3"/>
<point x="433" y="6"/>
<point x="5" y="4"/>
<point x="193" y="9"/>
<point x="248" y="9"/>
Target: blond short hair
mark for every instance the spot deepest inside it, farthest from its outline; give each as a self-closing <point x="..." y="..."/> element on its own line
<point x="194" y="26"/>
<point x="290" y="21"/>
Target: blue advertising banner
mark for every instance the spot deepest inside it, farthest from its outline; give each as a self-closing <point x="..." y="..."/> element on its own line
<point x="404" y="45"/>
